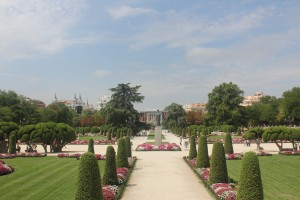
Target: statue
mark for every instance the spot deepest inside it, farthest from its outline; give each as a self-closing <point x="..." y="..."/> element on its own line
<point x="157" y="118"/>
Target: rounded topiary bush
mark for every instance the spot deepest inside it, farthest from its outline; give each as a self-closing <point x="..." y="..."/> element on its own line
<point x="110" y="172"/>
<point x="88" y="185"/>
<point x="128" y="146"/>
<point x="202" y="156"/>
<point x="122" y="160"/>
<point x="193" y="150"/>
<point x="228" y="144"/>
<point x="12" y="143"/>
<point x="91" y="146"/>
<point x="250" y="184"/>
<point x="218" y="167"/>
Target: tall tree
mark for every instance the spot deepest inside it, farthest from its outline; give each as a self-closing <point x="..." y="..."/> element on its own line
<point x="176" y="116"/>
<point x="64" y="114"/>
<point x="119" y="111"/>
<point x="290" y="106"/>
<point x="223" y="105"/>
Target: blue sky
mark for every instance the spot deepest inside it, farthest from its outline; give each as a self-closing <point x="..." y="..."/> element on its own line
<point x="178" y="51"/>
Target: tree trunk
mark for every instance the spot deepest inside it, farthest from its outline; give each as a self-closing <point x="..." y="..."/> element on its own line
<point x="279" y="146"/>
<point x="45" y="147"/>
<point x="257" y="144"/>
<point x="3" y="147"/>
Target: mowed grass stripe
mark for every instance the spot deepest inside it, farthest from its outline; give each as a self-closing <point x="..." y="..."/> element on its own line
<point x="280" y="176"/>
<point x="41" y="178"/>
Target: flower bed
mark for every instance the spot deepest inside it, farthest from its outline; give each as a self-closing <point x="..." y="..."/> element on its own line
<point x="33" y="154"/>
<point x="7" y="156"/>
<point x="263" y="153"/>
<point x="289" y="153"/>
<point x="96" y="142"/>
<point x="223" y="191"/>
<point x="5" y="169"/>
<point x="109" y="192"/>
<point x="162" y="147"/>
<point x="77" y="155"/>
<point x="234" y="156"/>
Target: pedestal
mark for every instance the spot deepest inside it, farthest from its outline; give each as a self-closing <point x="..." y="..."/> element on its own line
<point x="158" y="131"/>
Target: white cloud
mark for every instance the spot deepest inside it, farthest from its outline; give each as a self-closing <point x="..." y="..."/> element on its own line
<point x="127" y="11"/>
<point x="101" y="73"/>
<point x="31" y="28"/>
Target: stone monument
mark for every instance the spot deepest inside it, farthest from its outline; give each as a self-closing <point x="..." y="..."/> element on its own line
<point x="158" y="129"/>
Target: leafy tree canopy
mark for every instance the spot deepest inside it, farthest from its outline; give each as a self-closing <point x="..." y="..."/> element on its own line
<point x="176" y="116"/>
<point x="224" y="105"/>
<point x="290" y="106"/>
<point x="120" y="111"/>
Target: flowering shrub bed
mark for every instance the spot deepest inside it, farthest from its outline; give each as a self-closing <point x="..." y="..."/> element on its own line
<point x="109" y="192"/>
<point x="5" y="169"/>
<point x="7" y="156"/>
<point x="121" y="173"/>
<point x="99" y="142"/>
<point x="290" y="152"/>
<point x="223" y="191"/>
<point x="77" y="155"/>
<point x="263" y="153"/>
<point x="234" y="140"/>
<point x="234" y="156"/>
<point x="33" y="154"/>
<point x="162" y="147"/>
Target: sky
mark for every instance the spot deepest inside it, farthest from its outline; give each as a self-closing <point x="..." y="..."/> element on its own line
<point x="177" y="51"/>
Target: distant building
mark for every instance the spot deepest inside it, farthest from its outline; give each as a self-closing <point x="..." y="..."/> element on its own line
<point x="76" y="104"/>
<point x="195" y="107"/>
<point x="103" y="101"/>
<point x="255" y="98"/>
<point x="149" y="117"/>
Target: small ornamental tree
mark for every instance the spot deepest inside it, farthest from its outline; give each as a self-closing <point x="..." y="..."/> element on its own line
<point x="218" y="168"/>
<point x="202" y="156"/>
<point x="88" y="185"/>
<point x="255" y="134"/>
<point x="250" y="184"/>
<point x="122" y="160"/>
<point x="12" y="143"/>
<point x="278" y="135"/>
<point x="128" y="146"/>
<point x="110" y="172"/>
<point x="91" y="146"/>
<point x="228" y="144"/>
<point x="193" y="150"/>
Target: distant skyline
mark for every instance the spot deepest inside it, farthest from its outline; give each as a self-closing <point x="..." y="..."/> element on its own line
<point x="178" y="51"/>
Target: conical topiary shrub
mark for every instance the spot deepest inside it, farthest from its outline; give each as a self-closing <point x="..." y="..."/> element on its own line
<point x="218" y="168"/>
<point x="12" y="143"/>
<point x="193" y="150"/>
<point x="91" y="146"/>
<point x="128" y="146"/>
<point x="110" y="172"/>
<point x="122" y="160"/>
<point x="202" y="156"/>
<point x="228" y="144"/>
<point x="250" y="184"/>
<point x="88" y="185"/>
<point x="109" y="136"/>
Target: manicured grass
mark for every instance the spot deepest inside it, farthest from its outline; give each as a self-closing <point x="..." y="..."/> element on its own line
<point x="152" y="137"/>
<point x="280" y="176"/>
<point x="92" y="137"/>
<point x="41" y="178"/>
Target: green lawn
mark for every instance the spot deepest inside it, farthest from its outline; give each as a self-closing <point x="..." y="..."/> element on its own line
<point x="92" y="137"/>
<point x="41" y="178"/>
<point x="280" y="176"/>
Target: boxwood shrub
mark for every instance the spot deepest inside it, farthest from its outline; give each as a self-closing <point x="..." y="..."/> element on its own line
<point x="110" y="172"/>
<point x="202" y="156"/>
<point x="122" y="160"/>
<point x="218" y="167"/>
<point x="228" y="144"/>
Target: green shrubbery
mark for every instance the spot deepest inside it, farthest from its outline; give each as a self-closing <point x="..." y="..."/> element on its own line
<point x="218" y="167"/>
<point x="202" y="156"/>
<point x="110" y="172"/>
<point x="128" y="146"/>
<point x="193" y="150"/>
<point x="122" y="160"/>
<point x="250" y="184"/>
<point x="228" y="144"/>
<point x="88" y="184"/>
<point x="12" y="144"/>
<point x="91" y="146"/>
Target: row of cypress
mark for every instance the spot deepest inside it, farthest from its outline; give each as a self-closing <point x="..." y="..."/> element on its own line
<point x="88" y="183"/>
<point x="250" y="183"/>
